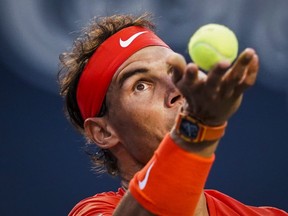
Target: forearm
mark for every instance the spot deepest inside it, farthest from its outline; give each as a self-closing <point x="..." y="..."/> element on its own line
<point x="175" y="183"/>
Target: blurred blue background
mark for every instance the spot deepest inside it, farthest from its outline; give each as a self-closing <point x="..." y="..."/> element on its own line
<point x="42" y="166"/>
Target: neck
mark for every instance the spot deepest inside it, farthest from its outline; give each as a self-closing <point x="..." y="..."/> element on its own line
<point x="126" y="164"/>
<point x="127" y="171"/>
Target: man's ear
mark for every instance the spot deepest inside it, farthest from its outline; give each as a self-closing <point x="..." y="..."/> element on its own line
<point x="98" y="130"/>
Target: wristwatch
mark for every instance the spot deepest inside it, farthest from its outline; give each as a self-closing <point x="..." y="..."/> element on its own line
<point x="191" y="130"/>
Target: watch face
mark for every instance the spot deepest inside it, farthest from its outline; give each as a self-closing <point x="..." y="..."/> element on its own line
<point x="189" y="129"/>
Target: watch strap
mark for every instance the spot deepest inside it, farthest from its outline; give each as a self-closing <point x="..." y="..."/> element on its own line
<point x="199" y="131"/>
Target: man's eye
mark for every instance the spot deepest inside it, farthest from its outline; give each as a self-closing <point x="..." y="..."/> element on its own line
<point x="141" y="86"/>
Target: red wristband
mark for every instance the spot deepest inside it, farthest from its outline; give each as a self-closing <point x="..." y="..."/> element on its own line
<point x="172" y="181"/>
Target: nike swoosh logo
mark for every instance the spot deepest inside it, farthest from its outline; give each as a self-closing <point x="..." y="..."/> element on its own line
<point x="142" y="184"/>
<point x="126" y="43"/>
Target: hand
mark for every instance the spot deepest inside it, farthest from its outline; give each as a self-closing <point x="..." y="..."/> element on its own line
<point x="215" y="97"/>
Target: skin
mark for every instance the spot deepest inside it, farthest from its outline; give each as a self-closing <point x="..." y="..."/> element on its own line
<point x="145" y="96"/>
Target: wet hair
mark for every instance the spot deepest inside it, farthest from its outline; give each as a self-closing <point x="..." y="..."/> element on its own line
<point x="72" y="64"/>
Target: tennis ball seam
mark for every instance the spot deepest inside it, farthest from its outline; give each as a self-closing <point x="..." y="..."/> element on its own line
<point x="213" y="49"/>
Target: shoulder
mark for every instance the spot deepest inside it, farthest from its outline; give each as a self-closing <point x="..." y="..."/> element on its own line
<point x="222" y="204"/>
<point x="99" y="204"/>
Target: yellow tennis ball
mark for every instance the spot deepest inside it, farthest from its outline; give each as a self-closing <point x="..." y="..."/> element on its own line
<point x="211" y="44"/>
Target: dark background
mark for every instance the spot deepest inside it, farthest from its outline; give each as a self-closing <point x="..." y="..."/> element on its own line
<point x="42" y="166"/>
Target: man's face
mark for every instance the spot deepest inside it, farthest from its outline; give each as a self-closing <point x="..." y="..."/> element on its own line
<point x="143" y="102"/>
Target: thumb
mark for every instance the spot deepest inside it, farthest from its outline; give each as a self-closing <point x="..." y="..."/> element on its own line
<point x="178" y="64"/>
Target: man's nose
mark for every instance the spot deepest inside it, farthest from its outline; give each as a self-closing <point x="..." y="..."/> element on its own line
<point x="173" y="97"/>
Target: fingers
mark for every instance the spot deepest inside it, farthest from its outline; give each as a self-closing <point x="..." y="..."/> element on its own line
<point x="239" y="68"/>
<point x="182" y="73"/>
<point x="221" y="80"/>
<point x="252" y="72"/>
<point x="215" y="76"/>
<point x="242" y="75"/>
<point x="191" y="73"/>
<point x="250" y="77"/>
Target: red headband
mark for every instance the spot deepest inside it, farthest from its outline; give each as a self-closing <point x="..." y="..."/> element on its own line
<point x="97" y="74"/>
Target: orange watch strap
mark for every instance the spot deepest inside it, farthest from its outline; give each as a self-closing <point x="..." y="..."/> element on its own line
<point x="204" y="133"/>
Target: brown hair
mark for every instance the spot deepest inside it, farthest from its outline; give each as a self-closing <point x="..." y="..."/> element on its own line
<point x="72" y="64"/>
